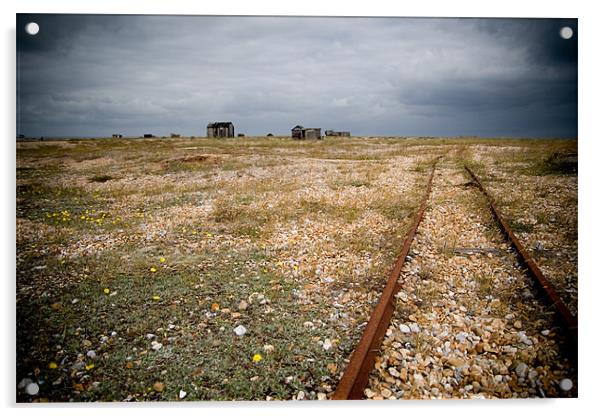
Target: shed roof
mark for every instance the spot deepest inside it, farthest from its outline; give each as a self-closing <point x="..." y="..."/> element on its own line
<point x="220" y="124"/>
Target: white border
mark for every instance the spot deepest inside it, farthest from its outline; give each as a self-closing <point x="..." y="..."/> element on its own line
<point x="590" y="137"/>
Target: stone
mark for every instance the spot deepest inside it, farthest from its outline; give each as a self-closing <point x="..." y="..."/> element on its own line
<point x="461" y="336"/>
<point x="240" y="330"/>
<point x="268" y="348"/>
<point x="404" y="329"/>
<point x="403" y="374"/>
<point x="414" y="327"/>
<point x="369" y="393"/>
<point x="243" y="305"/>
<point x="32" y="389"/>
<point x="158" y="386"/>
<point x="386" y="393"/>
<point x="156" y="346"/>
<point x="301" y="395"/>
<point x="327" y="344"/>
<point x="393" y="371"/>
<point x="521" y="370"/>
<point x="518" y="324"/>
<point x="321" y="396"/>
<point x="545" y="332"/>
<point x="418" y="380"/>
<point x="566" y="384"/>
<point x="182" y="394"/>
<point x="91" y="354"/>
<point x="24" y="382"/>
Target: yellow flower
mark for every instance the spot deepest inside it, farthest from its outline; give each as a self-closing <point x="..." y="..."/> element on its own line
<point x="153" y="269"/>
<point x="52" y="365"/>
<point x="257" y="358"/>
<point x="156" y="297"/>
<point x="89" y="367"/>
<point x="162" y="259"/>
<point x="107" y="290"/>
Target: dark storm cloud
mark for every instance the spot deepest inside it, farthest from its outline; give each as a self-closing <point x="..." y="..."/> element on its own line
<point x="95" y="75"/>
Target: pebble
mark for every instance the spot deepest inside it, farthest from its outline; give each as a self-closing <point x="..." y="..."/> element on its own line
<point x="545" y="332"/>
<point x="24" y="382"/>
<point x="369" y="393"/>
<point x="156" y="346"/>
<point x="521" y="370"/>
<point x="268" y="348"/>
<point x="301" y="395"/>
<point x="243" y="305"/>
<point x="182" y="394"/>
<point x="327" y="344"/>
<point x="240" y="330"/>
<point x="91" y="354"/>
<point x="32" y="389"/>
<point x="321" y="396"/>
<point x="566" y="384"/>
<point x="404" y="329"/>
<point x="386" y="393"/>
<point x="158" y="387"/>
<point x="414" y="327"/>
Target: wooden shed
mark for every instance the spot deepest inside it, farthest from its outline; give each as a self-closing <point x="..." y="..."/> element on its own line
<point x="300" y="132"/>
<point x="220" y="129"/>
<point x="337" y="133"/>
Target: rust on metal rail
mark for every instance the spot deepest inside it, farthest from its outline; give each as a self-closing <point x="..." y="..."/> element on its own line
<point x="567" y="318"/>
<point x="355" y="378"/>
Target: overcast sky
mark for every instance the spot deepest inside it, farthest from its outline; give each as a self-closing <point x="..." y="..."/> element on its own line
<point x="90" y="75"/>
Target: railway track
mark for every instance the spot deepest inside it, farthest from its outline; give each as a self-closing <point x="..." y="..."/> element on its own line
<point x="468" y="325"/>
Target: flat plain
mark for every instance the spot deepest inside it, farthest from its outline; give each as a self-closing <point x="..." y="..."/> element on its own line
<point x="246" y="269"/>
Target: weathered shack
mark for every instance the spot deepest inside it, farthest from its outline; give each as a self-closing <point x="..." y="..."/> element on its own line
<point x="300" y="132"/>
<point x="148" y="135"/>
<point x="220" y="129"/>
<point x="337" y="133"/>
<point x="118" y="136"/>
<point x="174" y="136"/>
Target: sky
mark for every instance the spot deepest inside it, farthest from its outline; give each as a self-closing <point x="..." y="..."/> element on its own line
<point x="97" y="75"/>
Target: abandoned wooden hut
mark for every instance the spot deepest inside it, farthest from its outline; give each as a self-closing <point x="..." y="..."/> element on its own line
<point x="220" y="129"/>
<point x="174" y="136"/>
<point x="118" y="136"/>
<point x="337" y="133"/>
<point x="300" y="132"/>
<point x="148" y="135"/>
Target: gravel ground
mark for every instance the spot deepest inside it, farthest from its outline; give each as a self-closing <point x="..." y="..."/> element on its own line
<point x="467" y="325"/>
<point x="543" y="210"/>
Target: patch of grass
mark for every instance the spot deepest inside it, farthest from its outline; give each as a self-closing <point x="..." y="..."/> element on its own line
<point x="200" y="351"/>
<point x="555" y="164"/>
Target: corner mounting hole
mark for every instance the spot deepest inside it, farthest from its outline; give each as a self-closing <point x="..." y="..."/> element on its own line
<point x="32" y="28"/>
<point x="566" y="32"/>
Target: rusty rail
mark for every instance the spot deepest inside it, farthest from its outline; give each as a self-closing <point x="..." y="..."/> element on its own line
<point x="566" y="317"/>
<point x="355" y="378"/>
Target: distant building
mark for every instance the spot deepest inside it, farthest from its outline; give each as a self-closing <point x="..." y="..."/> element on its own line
<point x="148" y="135"/>
<point x="118" y="136"/>
<point x="300" y="132"/>
<point x="337" y="133"/>
<point x="220" y="129"/>
<point x="174" y="136"/>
